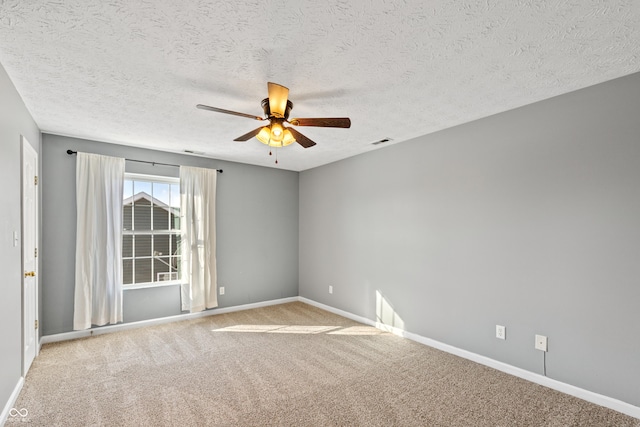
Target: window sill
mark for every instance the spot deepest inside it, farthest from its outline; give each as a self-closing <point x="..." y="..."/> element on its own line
<point x="151" y="285"/>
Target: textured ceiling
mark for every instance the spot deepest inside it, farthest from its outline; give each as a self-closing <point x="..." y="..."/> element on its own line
<point x="132" y="72"/>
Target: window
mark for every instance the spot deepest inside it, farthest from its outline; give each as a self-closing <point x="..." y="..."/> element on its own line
<point x="151" y="230"/>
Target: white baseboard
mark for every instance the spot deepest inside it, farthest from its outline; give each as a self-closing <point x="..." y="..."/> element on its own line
<point x="65" y="336"/>
<point x="589" y="396"/>
<point x="12" y="400"/>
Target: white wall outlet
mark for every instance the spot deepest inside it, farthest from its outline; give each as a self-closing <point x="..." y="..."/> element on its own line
<point x="330" y="289"/>
<point x="501" y="332"/>
<point x="221" y="290"/>
<point x="541" y="342"/>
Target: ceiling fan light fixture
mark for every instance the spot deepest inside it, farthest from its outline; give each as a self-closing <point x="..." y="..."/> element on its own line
<point x="264" y="135"/>
<point x="288" y="138"/>
<point x="275" y="135"/>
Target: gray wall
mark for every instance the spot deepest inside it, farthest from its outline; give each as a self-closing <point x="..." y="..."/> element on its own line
<point x="15" y="120"/>
<point x="528" y="219"/>
<point x="257" y="232"/>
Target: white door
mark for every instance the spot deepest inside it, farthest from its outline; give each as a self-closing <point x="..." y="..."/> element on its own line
<point x="29" y="254"/>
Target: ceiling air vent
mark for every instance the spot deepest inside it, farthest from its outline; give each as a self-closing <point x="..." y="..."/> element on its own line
<point x="200" y="153"/>
<point x="382" y="141"/>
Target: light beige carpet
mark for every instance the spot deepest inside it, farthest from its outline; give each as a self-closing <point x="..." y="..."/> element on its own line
<point x="285" y="365"/>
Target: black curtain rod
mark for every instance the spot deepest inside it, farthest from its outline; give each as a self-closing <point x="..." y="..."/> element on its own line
<point x="71" y="152"/>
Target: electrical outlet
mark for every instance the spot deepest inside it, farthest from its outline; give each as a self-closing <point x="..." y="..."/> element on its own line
<point x="541" y="342"/>
<point x="221" y="290"/>
<point x="501" y="332"/>
<point x="330" y="289"/>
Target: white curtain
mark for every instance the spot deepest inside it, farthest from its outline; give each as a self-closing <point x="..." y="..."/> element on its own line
<point x="198" y="246"/>
<point x="98" y="292"/>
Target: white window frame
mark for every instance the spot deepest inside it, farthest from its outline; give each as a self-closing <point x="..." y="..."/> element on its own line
<point x="130" y="176"/>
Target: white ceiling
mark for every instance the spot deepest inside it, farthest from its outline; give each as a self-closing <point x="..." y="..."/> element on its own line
<point x="132" y="72"/>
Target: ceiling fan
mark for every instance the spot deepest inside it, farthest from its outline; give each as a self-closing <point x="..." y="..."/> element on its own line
<point x="276" y="110"/>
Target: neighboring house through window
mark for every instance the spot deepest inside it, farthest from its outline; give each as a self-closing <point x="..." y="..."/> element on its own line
<point x="151" y="235"/>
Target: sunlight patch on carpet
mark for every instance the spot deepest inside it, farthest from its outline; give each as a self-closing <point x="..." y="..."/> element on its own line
<point x="302" y="329"/>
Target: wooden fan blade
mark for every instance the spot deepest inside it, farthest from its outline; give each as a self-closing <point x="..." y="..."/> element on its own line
<point x="235" y="113"/>
<point x="335" y="122"/>
<point x="249" y="135"/>
<point x="278" y="96"/>
<point x="301" y="139"/>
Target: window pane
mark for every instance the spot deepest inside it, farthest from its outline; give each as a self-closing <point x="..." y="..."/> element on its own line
<point x="175" y="219"/>
<point x="174" y="202"/>
<point x="161" y="267"/>
<point x="142" y="187"/>
<point x="161" y="193"/>
<point x="141" y="216"/>
<point x="127" y="213"/>
<point x="127" y="246"/>
<point x="143" y="270"/>
<point x="142" y="205"/>
<point x="127" y="203"/>
<point x="142" y="246"/>
<point x="161" y="218"/>
<point x="175" y="263"/>
<point x="128" y="190"/>
<point x="176" y="244"/>
<point x="127" y="272"/>
<point x="161" y="245"/>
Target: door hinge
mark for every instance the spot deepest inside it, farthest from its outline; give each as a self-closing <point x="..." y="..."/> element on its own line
<point x="35" y="180"/>
<point x="35" y="252"/>
<point x="36" y="323"/>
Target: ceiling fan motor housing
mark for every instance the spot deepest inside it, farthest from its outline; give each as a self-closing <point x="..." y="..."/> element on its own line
<point x="267" y="109"/>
